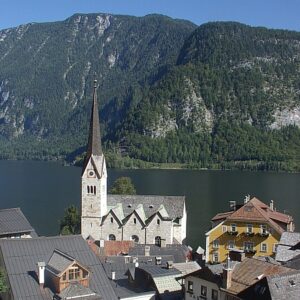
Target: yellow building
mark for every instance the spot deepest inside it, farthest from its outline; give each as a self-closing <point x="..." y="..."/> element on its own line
<point x="254" y="228"/>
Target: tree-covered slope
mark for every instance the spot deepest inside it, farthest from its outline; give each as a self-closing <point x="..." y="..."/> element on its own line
<point x="234" y="95"/>
<point x="46" y="73"/>
<point x="219" y="95"/>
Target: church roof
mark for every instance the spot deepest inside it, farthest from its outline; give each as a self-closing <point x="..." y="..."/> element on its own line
<point x="148" y="205"/>
<point x="94" y="142"/>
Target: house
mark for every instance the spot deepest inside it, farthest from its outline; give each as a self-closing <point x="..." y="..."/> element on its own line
<point x="145" y="219"/>
<point x="253" y="227"/>
<point x="288" y="247"/>
<point x="60" y="267"/>
<point x="13" y="224"/>
<point x="232" y="280"/>
<point x="149" y="272"/>
<point x="276" y="287"/>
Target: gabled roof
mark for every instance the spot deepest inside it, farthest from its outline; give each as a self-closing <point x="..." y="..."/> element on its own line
<point x="60" y="262"/>
<point x="256" y="211"/>
<point x="174" y="205"/>
<point x="20" y="257"/>
<point x="250" y="271"/>
<point x="13" y="221"/>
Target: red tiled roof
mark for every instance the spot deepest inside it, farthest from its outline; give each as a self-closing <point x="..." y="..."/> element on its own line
<point x="112" y="248"/>
<point x="255" y="210"/>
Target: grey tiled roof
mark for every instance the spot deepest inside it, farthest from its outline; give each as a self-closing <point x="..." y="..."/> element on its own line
<point x="290" y="238"/>
<point x="151" y="204"/>
<point x="59" y="261"/>
<point x="285" y="286"/>
<point x="178" y="252"/>
<point x="285" y="250"/>
<point x="21" y="256"/>
<point x="12" y="221"/>
<point x="78" y="291"/>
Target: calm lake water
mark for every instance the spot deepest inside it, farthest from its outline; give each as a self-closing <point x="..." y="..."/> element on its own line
<point x="44" y="189"/>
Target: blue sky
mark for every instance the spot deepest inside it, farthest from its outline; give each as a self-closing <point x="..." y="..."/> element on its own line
<point x="269" y="13"/>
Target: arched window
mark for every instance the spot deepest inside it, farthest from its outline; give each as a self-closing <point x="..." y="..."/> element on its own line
<point x="94" y="190"/>
<point x="88" y="189"/>
<point x="134" y="220"/>
<point x="158" y="241"/>
<point x="135" y="238"/>
<point x="158" y="221"/>
<point x="112" y="237"/>
<point x="111" y="220"/>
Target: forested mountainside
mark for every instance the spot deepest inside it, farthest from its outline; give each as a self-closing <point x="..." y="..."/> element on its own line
<point x="222" y="94"/>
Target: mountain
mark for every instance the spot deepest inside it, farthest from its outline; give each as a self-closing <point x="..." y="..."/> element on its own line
<point x="231" y="100"/>
<point x="47" y="70"/>
<point x="223" y="94"/>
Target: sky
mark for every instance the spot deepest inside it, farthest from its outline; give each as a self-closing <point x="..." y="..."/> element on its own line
<point x="279" y="14"/>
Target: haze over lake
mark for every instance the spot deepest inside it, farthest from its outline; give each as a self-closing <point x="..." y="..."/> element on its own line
<point x="44" y="189"/>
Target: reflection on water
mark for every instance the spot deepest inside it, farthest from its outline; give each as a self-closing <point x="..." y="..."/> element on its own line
<point x="44" y="189"/>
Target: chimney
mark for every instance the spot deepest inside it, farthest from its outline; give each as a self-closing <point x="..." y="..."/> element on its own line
<point x="147" y="250"/>
<point x="227" y="274"/>
<point x="169" y="264"/>
<point x="113" y="275"/>
<point x="272" y="205"/>
<point x="247" y="199"/>
<point x="41" y="272"/>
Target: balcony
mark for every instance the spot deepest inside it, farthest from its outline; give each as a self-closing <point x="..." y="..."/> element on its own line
<point x="247" y="233"/>
<point x="232" y="232"/>
<point x="249" y="251"/>
<point x="263" y="234"/>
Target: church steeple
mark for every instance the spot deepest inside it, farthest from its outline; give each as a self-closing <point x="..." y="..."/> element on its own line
<point x="94" y="143"/>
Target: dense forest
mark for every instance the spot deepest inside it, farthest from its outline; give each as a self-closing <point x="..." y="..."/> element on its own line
<point x="221" y="95"/>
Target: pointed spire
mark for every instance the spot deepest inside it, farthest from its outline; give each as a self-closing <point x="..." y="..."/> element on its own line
<point x="94" y="143"/>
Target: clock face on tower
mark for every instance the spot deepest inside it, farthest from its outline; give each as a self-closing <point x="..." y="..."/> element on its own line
<point x="91" y="173"/>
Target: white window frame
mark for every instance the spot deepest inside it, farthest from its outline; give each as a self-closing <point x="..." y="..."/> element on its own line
<point x="229" y="244"/>
<point x="215" y="244"/>
<point x="233" y="225"/>
<point x="263" y="229"/>
<point x="224" y="228"/>
<point x="261" y="247"/>
<point x="249" y="228"/>
<point x="215" y="255"/>
<point x="247" y="244"/>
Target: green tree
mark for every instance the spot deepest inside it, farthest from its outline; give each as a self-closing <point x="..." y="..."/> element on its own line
<point x="3" y="285"/>
<point x="70" y="224"/>
<point x="124" y="186"/>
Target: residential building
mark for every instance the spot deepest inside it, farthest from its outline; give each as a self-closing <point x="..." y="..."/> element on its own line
<point x="276" y="287"/>
<point x="149" y="272"/>
<point x="61" y="267"/>
<point x="232" y="280"/>
<point x="13" y="224"/>
<point x="143" y="219"/>
<point x="253" y="227"/>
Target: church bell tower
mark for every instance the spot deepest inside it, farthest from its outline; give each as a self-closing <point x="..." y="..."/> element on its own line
<point x="93" y="179"/>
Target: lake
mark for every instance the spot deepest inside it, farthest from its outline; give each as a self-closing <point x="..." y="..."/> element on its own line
<point x="44" y="189"/>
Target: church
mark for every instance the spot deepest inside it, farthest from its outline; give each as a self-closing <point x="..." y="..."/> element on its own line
<point x="145" y="219"/>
